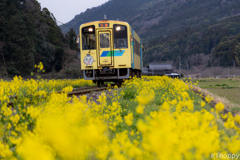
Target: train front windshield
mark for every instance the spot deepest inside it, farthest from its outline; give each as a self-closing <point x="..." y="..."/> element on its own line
<point x="88" y="38"/>
<point x="120" y="36"/>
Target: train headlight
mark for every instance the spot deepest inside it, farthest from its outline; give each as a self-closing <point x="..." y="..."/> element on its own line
<point x="118" y="28"/>
<point x="90" y="29"/>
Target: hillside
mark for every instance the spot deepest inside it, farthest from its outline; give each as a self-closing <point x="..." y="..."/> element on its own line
<point x="123" y="10"/>
<point x="176" y="29"/>
<point x="217" y="44"/>
<point x="29" y="35"/>
<point x="169" y="16"/>
<point x="151" y="18"/>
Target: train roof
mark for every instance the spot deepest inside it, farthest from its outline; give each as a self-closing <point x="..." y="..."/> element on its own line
<point x="105" y="21"/>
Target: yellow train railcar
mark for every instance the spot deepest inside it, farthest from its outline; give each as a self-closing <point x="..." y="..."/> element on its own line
<point x="110" y="51"/>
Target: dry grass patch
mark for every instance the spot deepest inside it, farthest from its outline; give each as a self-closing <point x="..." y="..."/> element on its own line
<point x="229" y="106"/>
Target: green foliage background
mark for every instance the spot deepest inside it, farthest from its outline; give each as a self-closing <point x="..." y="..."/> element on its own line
<point x="220" y="40"/>
<point x="31" y="35"/>
<point x="171" y="30"/>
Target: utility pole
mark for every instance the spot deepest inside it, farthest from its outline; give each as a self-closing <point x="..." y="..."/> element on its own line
<point x="228" y="71"/>
<point x="196" y="60"/>
<point x="179" y="64"/>
<point x="233" y="64"/>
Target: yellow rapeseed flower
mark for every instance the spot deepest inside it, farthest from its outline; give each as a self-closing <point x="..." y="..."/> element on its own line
<point x="219" y="107"/>
<point x="129" y="119"/>
<point x="15" y="118"/>
<point x="208" y="98"/>
<point x="140" y="109"/>
<point x="202" y="104"/>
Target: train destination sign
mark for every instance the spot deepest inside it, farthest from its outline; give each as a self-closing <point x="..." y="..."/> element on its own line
<point x="103" y="24"/>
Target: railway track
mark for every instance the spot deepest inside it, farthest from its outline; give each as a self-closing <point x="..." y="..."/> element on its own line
<point x="76" y="92"/>
<point x="86" y="91"/>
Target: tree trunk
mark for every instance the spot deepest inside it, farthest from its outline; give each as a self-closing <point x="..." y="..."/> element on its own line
<point x="2" y="44"/>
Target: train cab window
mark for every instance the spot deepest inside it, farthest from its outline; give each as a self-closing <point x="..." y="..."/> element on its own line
<point x="104" y="40"/>
<point x="88" y="38"/>
<point x="120" y="36"/>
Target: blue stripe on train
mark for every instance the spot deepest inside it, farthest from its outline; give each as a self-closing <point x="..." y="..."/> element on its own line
<point x="116" y="53"/>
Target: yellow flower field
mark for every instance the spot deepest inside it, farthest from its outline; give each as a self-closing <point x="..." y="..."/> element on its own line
<point x="149" y="118"/>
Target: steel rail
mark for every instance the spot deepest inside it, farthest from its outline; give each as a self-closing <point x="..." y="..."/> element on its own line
<point x="75" y="91"/>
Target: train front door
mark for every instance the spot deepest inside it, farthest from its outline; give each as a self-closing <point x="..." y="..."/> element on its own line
<point x="105" y="48"/>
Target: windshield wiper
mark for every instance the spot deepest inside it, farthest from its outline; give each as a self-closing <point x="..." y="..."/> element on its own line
<point x="119" y="49"/>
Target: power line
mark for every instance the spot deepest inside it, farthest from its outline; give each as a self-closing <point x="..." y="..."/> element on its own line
<point x="47" y="14"/>
<point x="61" y="22"/>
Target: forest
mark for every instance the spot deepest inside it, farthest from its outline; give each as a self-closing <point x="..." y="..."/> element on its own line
<point x="219" y="41"/>
<point x="29" y="35"/>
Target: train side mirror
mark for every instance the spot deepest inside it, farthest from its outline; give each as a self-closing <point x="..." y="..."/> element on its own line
<point x="131" y="38"/>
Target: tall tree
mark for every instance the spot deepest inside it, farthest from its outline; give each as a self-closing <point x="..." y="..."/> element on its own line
<point x="71" y="38"/>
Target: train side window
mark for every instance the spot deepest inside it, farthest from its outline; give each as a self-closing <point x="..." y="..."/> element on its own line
<point x="120" y="36"/>
<point x="88" y="38"/>
<point x="137" y="47"/>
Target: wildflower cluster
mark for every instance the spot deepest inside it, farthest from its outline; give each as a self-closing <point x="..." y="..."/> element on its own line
<point x="148" y="118"/>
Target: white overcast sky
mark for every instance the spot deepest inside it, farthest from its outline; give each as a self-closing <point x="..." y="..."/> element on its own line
<point x="65" y="10"/>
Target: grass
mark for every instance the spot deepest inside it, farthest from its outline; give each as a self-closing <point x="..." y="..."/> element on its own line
<point x="227" y="89"/>
<point x="217" y="83"/>
<point x="230" y="94"/>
